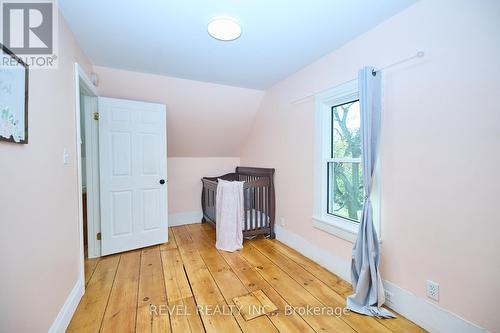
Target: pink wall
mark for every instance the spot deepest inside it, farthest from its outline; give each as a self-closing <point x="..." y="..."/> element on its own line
<point x="206" y="125"/>
<point x="439" y="160"/>
<point x="204" y="119"/>
<point x="184" y="180"/>
<point x="39" y="243"/>
<point x="439" y="143"/>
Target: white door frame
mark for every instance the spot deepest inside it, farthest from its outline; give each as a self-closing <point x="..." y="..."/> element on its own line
<point x="81" y="82"/>
<point x="92" y="173"/>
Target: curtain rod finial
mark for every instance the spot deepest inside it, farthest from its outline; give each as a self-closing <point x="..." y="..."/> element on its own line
<point x="420" y="54"/>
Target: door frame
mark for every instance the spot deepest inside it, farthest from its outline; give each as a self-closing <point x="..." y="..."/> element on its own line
<point x="82" y="82"/>
<point x="92" y="173"/>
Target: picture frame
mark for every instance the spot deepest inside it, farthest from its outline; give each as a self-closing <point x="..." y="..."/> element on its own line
<point x="14" y="79"/>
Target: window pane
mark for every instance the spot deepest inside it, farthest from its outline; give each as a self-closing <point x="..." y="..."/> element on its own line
<point x="346" y="130"/>
<point x="345" y="190"/>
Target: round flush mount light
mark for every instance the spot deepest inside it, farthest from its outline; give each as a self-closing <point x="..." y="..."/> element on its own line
<point x="224" y="28"/>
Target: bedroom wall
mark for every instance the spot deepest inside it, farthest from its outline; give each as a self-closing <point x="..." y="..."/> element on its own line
<point x="203" y="119"/>
<point x="439" y="160"/>
<point x="184" y="184"/>
<point x="39" y="200"/>
<point x="206" y="126"/>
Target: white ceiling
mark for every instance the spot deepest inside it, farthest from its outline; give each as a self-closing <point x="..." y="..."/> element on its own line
<point x="169" y="37"/>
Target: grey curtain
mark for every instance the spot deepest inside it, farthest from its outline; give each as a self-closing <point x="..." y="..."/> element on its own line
<point x="366" y="281"/>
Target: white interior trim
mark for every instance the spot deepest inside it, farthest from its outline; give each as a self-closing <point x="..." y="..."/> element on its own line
<point x="92" y="173"/>
<point x="341" y="228"/>
<point x="68" y="309"/>
<point x="335" y="264"/>
<point x="424" y="313"/>
<point x="337" y="226"/>
<point x="80" y="78"/>
<point x="183" y="218"/>
<point x="334" y="225"/>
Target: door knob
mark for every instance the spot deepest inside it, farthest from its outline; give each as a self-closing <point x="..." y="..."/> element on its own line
<point x="162" y="181"/>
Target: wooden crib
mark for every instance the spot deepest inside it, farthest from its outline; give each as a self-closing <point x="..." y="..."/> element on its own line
<point x="259" y="200"/>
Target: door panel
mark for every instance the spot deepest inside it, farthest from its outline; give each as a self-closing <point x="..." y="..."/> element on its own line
<point x="150" y="161"/>
<point x="121" y="213"/>
<point x="151" y="209"/>
<point x="133" y="159"/>
<point x="121" y="148"/>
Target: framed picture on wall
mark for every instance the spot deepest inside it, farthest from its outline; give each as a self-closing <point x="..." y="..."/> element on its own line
<point x="13" y="97"/>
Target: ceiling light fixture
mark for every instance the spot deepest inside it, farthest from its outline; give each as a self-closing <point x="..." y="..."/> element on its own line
<point x="224" y="28"/>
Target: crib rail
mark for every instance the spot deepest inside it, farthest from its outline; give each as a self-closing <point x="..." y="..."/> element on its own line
<point x="259" y="200"/>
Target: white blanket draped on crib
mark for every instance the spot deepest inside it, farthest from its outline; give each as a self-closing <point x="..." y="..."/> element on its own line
<point x="230" y="216"/>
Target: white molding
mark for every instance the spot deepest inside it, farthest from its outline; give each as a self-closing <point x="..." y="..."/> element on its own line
<point x="86" y="84"/>
<point x="335" y="264"/>
<point x="68" y="309"/>
<point x="339" y="227"/>
<point x="324" y="101"/>
<point x="183" y="218"/>
<point x="92" y="173"/>
<point x="342" y="229"/>
<point x="424" y="313"/>
<point x="323" y="105"/>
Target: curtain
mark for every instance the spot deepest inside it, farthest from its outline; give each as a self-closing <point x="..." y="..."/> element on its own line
<point x="366" y="281"/>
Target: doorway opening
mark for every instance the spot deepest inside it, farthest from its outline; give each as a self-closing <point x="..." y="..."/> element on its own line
<point x="88" y="178"/>
<point x="122" y="167"/>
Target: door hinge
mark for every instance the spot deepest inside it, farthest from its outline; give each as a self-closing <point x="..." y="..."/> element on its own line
<point x="98" y="236"/>
<point x="96" y="115"/>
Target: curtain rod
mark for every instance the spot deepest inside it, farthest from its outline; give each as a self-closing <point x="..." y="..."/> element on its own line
<point x="419" y="54"/>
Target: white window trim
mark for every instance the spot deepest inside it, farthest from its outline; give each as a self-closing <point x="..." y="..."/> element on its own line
<point x="335" y="225"/>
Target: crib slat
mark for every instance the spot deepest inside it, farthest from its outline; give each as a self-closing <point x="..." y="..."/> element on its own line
<point x="245" y="209"/>
<point x="264" y="213"/>
<point x="261" y="207"/>
<point x="257" y="221"/>
<point x="254" y="194"/>
<point x="207" y="193"/>
<point x="269" y="206"/>
<point x="251" y="209"/>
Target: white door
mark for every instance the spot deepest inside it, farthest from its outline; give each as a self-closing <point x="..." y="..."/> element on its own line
<point x="133" y="169"/>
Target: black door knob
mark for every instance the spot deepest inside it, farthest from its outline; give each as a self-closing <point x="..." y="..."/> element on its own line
<point x="162" y="181"/>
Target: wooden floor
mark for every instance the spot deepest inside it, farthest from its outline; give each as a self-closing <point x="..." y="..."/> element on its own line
<point x="186" y="285"/>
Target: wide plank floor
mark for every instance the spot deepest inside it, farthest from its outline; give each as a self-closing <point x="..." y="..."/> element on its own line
<point x="187" y="285"/>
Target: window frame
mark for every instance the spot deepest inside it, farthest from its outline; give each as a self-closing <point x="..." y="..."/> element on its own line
<point x="336" y="225"/>
<point x="332" y="159"/>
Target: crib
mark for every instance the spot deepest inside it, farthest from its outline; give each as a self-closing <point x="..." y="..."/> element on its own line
<point x="259" y="200"/>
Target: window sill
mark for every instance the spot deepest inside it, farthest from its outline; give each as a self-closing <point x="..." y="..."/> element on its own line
<point x="337" y="226"/>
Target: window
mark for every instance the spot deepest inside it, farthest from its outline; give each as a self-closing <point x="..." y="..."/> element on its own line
<point x="338" y="172"/>
<point x="343" y="165"/>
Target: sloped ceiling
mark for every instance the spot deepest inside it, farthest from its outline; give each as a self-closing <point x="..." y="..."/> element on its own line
<point x="169" y="40"/>
<point x="203" y="119"/>
<point x="169" y="37"/>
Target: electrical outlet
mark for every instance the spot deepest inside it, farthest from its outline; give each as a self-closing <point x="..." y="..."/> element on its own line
<point x="388" y="298"/>
<point x="282" y="222"/>
<point x="433" y="290"/>
<point x="65" y="156"/>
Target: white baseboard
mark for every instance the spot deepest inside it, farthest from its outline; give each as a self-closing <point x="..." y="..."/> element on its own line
<point x="183" y="218"/>
<point x="422" y="312"/>
<point x="68" y="309"/>
<point x="426" y="314"/>
<point x="335" y="264"/>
